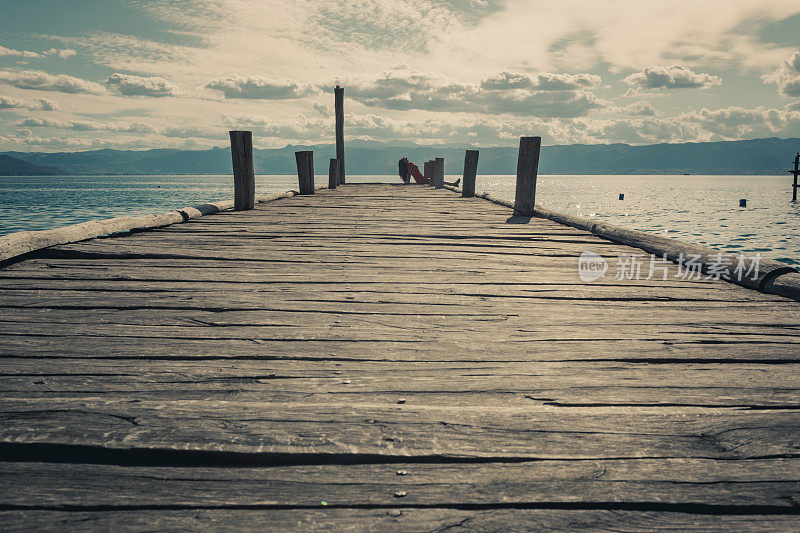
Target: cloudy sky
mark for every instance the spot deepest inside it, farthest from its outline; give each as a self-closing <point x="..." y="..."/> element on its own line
<point x="87" y="74"/>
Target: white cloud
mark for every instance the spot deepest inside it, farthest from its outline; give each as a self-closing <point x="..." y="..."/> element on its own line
<point x="260" y="87"/>
<point x="548" y="95"/>
<point x="129" y="85"/>
<point x="121" y="126"/>
<point x="72" y="142"/>
<point x="65" y="53"/>
<point x="7" y="102"/>
<point x="731" y="123"/>
<point x="670" y="77"/>
<point x="544" y="81"/>
<point x="87" y="125"/>
<point x="323" y="110"/>
<point x="302" y="129"/>
<point x="787" y="76"/>
<point x="193" y="132"/>
<point x="19" y="53"/>
<point x="45" y="104"/>
<point x="642" y="109"/>
<point x="40" y="104"/>
<point x="740" y="123"/>
<point x="43" y="81"/>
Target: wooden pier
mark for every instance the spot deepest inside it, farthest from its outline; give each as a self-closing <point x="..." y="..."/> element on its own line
<point x="388" y="358"/>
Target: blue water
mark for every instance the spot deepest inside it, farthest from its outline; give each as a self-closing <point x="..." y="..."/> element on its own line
<point x="699" y="209"/>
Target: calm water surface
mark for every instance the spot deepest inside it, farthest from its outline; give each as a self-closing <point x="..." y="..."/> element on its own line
<point x="699" y="209"/>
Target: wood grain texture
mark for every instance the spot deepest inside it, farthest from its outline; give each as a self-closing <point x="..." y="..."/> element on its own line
<point x="305" y="171"/>
<point x="238" y="369"/>
<point x="527" y="171"/>
<point x="470" y="171"/>
<point x="333" y="173"/>
<point x="244" y="181"/>
<point x="438" y="173"/>
<point x="338" y="104"/>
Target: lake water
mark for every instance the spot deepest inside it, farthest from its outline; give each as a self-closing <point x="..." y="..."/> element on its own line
<point x="698" y="209"/>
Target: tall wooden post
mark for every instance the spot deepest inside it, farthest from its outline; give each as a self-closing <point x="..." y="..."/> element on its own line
<point x="305" y="171"/>
<point x="527" y="170"/>
<point x="438" y="173"/>
<point x="333" y="174"/>
<point x="244" y="181"/>
<point x="426" y="171"/>
<point x="470" y="170"/>
<point x="339" y="106"/>
<point x="796" y="171"/>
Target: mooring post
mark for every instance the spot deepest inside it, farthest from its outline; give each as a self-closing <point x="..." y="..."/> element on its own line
<point x="438" y="173"/>
<point x="527" y="170"/>
<point x="333" y="174"/>
<point x="305" y="171"/>
<point x="426" y="170"/>
<point x="796" y="171"/>
<point x="338" y="100"/>
<point x="244" y="181"/>
<point x="470" y="170"/>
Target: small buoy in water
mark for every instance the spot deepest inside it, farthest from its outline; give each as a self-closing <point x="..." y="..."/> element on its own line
<point x="621" y="196"/>
<point x="743" y="202"/>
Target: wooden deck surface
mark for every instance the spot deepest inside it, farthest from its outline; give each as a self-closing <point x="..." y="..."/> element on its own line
<point x="388" y="358"/>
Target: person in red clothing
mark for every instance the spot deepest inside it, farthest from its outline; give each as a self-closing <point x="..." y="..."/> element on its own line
<point x="406" y="168"/>
<point x="413" y="170"/>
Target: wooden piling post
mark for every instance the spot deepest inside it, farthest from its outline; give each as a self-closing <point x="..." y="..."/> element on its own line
<point x="743" y="202"/>
<point x="333" y="174"/>
<point x="527" y="170"/>
<point x="470" y="170"/>
<point x="305" y="171"/>
<point x="244" y="181"/>
<point x="339" y="107"/>
<point x="426" y="170"/>
<point x="438" y="173"/>
<point x="796" y="171"/>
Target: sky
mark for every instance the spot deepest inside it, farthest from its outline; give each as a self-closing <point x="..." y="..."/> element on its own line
<point x="135" y="74"/>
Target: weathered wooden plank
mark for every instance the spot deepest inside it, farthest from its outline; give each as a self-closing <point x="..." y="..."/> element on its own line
<point x="401" y="430"/>
<point x="407" y="349"/>
<point x="325" y="386"/>
<point x="772" y="482"/>
<point x="398" y="518"/>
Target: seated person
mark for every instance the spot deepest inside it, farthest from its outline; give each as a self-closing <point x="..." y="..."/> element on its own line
<point x="413" y="170"/>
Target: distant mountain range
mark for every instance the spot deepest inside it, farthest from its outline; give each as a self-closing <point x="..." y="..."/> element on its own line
<point x="13" y="166"/>
<point x="758" y="156"/>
